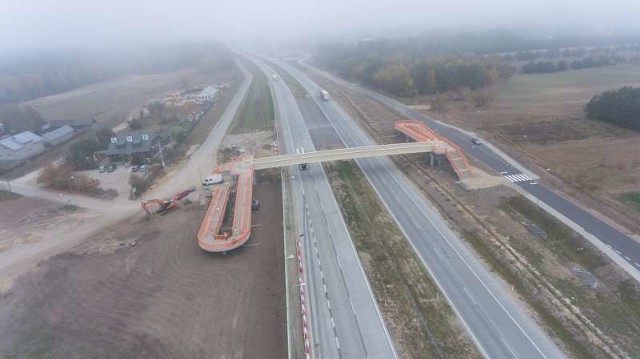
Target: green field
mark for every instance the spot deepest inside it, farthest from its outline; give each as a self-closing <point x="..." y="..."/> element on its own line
<point x="256" y="113"/>
<point x="567" y="85"/>
<point x="632" y="199"/>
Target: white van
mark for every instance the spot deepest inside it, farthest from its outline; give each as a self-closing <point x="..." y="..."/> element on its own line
<point x="212" y="179"/>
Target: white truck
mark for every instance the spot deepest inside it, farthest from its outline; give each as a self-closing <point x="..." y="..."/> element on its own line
<point x="324" y="95"/>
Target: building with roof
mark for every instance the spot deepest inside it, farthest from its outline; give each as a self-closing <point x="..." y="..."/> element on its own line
<point x="75" y="123"/>
<point x="208" y="94"/>
<point x="136" y="145"/>
<point x="58" y="135"/>
<point x="20" y="147"/>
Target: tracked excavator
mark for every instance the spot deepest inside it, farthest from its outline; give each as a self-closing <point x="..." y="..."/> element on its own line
<point x="166" y="205"/>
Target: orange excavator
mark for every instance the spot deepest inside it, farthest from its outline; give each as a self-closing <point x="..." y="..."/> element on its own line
<point x="166" y="205"/>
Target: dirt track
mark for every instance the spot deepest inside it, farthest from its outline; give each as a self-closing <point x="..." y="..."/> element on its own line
<point x="145" y="289"/>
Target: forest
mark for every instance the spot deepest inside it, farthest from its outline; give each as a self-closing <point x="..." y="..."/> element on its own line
<point x="433" y="63"/>
<point x="620" y="107"/>
<point x="25" y="77"/>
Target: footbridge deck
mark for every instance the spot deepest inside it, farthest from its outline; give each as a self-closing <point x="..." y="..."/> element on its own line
<point x="345" y="154"/>
<point x="211" y="237"/>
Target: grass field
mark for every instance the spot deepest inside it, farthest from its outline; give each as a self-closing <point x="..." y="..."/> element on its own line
<point x="632" y="199"/>
<point x="576" y="85"/>
<point x="256" y="113"/>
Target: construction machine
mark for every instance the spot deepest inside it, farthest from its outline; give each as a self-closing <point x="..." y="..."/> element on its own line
<point x="166" y="205"/>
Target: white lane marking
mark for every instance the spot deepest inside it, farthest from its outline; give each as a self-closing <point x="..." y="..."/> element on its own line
<point x="337" y="343"/>
<point x="617" y="251"/>
<point x="627" y="258"/>
<point x="637" y="264"/>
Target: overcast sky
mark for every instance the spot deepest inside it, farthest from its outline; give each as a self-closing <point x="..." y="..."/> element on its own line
<point x="50" y="23"/>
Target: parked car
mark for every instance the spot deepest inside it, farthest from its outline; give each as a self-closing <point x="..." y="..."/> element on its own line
<point x="144" y="168"/>
<point x="476" y="141"/>
<point x="255" y="204"/>
<point x="135" y="168"/>
<point x="112" y="167"/>
<point x="102" y="169"/>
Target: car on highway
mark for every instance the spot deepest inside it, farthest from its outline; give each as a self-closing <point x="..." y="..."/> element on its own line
<point x="300" y="151"/>
<point x="476" y="141"/>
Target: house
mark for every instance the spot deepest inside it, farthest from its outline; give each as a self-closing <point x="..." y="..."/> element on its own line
<point x="58" y="136"/>
<point x="135" y="145"/>
<point x="21" y="146"/>
<point x="208" y="94"/>
<point x="77" y="124"/>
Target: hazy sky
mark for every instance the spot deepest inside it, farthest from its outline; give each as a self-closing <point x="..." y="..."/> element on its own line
<point x="48" y="23"/>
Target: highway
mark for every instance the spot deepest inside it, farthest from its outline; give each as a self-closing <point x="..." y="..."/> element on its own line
<point x="619" y="246"/>
<point x="344" y="319"/>
<point x="499" y="325"/>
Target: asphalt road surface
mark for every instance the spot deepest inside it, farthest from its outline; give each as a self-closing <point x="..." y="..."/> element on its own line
<point x="345" y="320"/>
<point x="496" y="322"/>
<point x="627" y="248"/>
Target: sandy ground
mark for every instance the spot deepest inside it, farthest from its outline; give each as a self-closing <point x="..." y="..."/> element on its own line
<point x="144" y="289"/>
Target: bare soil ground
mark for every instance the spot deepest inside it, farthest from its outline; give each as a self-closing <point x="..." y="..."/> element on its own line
<point x="110" y="102"/>
<point x="145" y="289"/>
<point x="539" y="119"/>
<point x="546" y="270"/>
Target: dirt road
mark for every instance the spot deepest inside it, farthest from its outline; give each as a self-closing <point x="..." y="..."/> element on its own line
<point x="144" y="289"/>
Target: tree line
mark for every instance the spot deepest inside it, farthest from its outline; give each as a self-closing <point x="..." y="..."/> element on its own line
<point x="403" y="76"/>
<point x="620" y="107"/>
<point x="585" y="63"/>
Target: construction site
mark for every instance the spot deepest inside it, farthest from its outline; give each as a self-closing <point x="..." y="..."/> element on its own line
<point x="228" y="260"/>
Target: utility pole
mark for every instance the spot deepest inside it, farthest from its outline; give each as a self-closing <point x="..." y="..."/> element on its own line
<point x="161" y="153"/>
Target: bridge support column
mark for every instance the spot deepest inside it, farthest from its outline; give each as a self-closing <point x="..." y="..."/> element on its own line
<point x="432" y="158"/>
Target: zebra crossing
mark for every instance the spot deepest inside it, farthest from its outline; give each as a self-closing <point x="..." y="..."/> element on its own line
<point x="517" y="177"/>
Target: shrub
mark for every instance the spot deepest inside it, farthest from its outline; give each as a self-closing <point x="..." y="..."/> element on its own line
<point x="63" y="178"/>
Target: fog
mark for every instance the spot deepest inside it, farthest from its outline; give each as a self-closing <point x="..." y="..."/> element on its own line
<point x="37" y="24"/>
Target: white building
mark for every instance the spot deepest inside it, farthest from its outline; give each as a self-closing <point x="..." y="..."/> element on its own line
<point x="208" y="93"/>
<point x="21" y="146"/>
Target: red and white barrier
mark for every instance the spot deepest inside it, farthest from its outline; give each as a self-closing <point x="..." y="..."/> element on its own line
<point x="303" y="305"/>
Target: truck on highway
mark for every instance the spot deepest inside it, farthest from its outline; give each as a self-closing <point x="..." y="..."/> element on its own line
<point x="300" y="151"/>
<point x="324" y="95"/>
